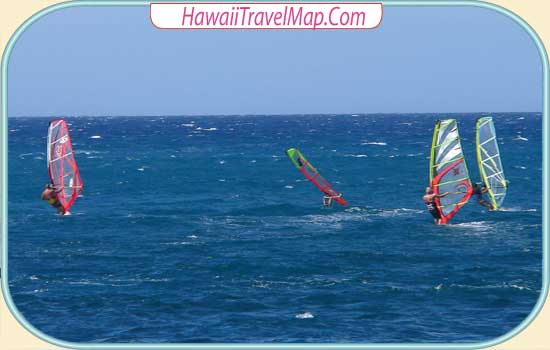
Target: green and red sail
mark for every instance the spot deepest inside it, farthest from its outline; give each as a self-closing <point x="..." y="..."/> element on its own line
<point x="302" y="164"/>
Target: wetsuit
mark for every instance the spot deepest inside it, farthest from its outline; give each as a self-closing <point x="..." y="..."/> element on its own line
<point x="432" y="208"/>
<point x="54" y="202"/>
<point x="477" y="194"/>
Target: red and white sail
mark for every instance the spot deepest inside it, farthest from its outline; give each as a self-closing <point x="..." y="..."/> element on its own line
<point x="62" y="168"/>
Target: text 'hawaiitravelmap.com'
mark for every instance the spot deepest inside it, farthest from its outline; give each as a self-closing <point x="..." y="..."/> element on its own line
<point x="312" y="16"/>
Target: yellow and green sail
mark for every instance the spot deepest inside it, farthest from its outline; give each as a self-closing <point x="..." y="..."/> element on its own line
<point x="489" y="161"/>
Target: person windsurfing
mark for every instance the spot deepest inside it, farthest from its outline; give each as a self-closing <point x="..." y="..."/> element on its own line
<point x="477" y="193"/>
<point x="327" y="200"/>
<point x="429" y="199"/>
<point x="50" y="194"/>
<point x="310" y="173"/>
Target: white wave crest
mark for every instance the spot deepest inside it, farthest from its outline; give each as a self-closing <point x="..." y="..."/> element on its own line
<point x="305" y="315"/>
<point x="206" y="129"/>
<point x="476" y="225"/>
<point x="356" y="155"/>
<point x="399" y="212"/>
<point x="517" y="209"/>
<point x="374" y="143"/>
<point x="177" y="243"/>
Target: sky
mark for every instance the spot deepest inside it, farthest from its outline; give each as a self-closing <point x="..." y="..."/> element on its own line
<point x="108" y="61"/>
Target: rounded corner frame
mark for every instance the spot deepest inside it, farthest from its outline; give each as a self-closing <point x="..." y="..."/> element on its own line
<point x="397" y="346"/>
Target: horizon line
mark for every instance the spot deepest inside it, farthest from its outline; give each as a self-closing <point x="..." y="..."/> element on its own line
<point x="260" y="114"/>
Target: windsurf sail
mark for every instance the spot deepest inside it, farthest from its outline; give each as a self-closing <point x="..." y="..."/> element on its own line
<point x="302" y="164"/>
<point x="489" y="162"/>
<point x="448" y="171"/>
<point x="62" y="168"/>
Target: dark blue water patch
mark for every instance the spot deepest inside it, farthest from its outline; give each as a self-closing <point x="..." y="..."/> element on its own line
<point x="199" y="229"/>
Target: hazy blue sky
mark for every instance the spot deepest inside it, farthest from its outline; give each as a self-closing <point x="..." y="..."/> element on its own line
<point x="112" y="61"/>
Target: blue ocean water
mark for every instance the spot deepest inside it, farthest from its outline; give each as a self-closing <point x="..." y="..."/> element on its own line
<point x="199" y="229"/>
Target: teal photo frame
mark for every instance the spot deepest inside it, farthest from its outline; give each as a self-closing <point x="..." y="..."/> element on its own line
<point x="545" y="240"/>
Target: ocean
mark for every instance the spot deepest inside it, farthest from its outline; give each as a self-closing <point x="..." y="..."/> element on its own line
<point x="199" y="229"/>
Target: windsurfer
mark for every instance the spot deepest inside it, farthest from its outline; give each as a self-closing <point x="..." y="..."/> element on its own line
<point x="429" y="199"/>
<point x="50" y="194"/>
<point x="327" y="200"/>
<point x="330" y="194"/>
<point x="478" y="192"/>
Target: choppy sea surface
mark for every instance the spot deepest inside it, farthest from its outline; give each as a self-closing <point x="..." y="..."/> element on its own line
<point x="200" y="229"/>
